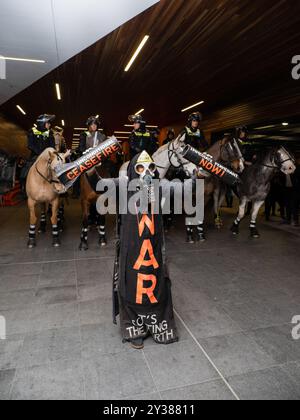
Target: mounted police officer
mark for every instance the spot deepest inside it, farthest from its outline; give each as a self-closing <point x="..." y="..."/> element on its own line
<point x="92" y="137"/>
<point x="193" y="135"/>
<point x="141" y="139"/>
<point x="41" y="137"/>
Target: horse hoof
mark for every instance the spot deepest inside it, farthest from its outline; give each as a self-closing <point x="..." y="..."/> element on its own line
<point x="235" y="230"/>
<point x="190" y="240"/>
<point x="56" y="244"/>
<point x="102" y="242"/>
<point x="83" y="246"/>
<point x="31" y="244"/>
<point x="255" y="235"/>
<point x="201" y="238"/>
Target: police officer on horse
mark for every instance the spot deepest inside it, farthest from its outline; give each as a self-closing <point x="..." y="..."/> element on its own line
<point x="193" y="135"/>
<point x="41" y="137"/>
<point x="141" y="139"/>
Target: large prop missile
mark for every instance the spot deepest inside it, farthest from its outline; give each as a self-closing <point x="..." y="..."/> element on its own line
<point x="70" y="172"/>
<point x="209" y="165"/>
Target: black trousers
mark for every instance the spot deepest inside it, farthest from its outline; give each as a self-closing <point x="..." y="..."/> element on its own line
<point x="292" y="204"/>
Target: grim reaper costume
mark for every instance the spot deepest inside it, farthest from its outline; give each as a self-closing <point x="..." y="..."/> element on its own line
<point x="142" y="288"/>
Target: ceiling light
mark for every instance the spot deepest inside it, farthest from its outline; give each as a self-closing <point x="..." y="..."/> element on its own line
<point x="58" y="93"/>
<point x="285" y="124"/>
<point x="27" y="60"/>
<point x="149" y="126"/>
<point x="140" y="111"/>
<point x="139" y="49"/>
<point x="21" y="110"/>
<point x="192" y="106"/>
<point x="265" y="127"/>
<point x="122" y="132"/>
<point x="63" y="123"/>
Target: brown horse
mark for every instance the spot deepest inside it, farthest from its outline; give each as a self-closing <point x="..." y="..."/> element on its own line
<point x="43" y="187"/>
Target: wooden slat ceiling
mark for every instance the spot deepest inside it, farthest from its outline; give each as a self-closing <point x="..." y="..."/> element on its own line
<point x="219" y="51"/>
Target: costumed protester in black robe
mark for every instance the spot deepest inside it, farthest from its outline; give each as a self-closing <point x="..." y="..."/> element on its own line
<point x="142" y="288"/>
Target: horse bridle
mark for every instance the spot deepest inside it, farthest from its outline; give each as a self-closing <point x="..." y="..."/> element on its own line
<point x="278" y="162"/>
<point x="225" y="146"/>
<point x="51" y="181"/>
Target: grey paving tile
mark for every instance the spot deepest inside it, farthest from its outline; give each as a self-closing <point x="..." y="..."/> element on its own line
<point x="6" y="380"/>
<point x="278" y="343"/>
<point x="117" y="376"/>
<point x="48" y="346"/>
<point x="48" y="317"/>
<point x="19" y="270"/>
<point x="293" y="370"/>
<point x="96" y="311"/>
<point x="55" y="381"/>
<point x="236" y="354"/>
<point x="13" y="282"/>
<point x="17" y="321"/>
<point x="18" y="299"/>
<point x="270" y="384"/>
<point x="178" y="364"/>
<point x="92" y="291"/>
<point x="209" y="321"/>
<point x="55" y="295"/>
<point x="58" y="275"/>
<point x="207" y="391"/>
<point x="9" y="351"/>
<point x="99" y="339"/>
<point x="91" y="271"/>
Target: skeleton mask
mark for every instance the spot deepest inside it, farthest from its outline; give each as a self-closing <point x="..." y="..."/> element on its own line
<point x="146" y="169"/>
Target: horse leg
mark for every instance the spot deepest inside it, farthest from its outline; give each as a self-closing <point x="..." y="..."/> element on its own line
<point x="235" y="229"/>
<point x="219" y="195"/>
<point x="61" y="215"/>
<point x="54" y="221"/>
<point x="101" y="222"/>
<point x="32" y="228"/>
<point x="43" y="222"/>
<point x="255" y="209"/>
<point x="85" y="226"/>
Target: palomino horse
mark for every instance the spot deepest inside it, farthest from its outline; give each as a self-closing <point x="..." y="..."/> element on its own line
<point x="256" y="183"/>
<point x="44" y="187"/>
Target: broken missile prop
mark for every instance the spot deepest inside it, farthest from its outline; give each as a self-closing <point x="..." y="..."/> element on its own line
<point x="212" y="167"/>
<point x="70" y="172"/>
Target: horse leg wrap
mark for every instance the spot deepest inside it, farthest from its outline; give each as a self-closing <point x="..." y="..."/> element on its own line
<point x="102" y="236"/>
<point x="200" y="233"/>
<point x="190" y="235"/>
<point x="84" y="239"/>
<point x="32" y="236"/>
<point x="43" y="223"/>
<point x="253" y="230"/>
<point x="55" y="236"/>
<point x="235" y="229"/>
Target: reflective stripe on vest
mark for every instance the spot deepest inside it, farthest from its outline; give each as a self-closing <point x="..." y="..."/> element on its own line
<point x="36" y="132"/>
<point x="193" y="134"/>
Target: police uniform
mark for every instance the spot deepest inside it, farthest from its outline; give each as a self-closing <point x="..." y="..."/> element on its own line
<point x="141" y="140"/>
<point x="195" y="138"/>
<point x="38" y="141"/>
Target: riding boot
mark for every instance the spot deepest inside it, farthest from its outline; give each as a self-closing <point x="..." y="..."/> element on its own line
<point x="235" y="229"/>
<point x="84" y="239"/>
<point x="55" y="236"/>
<point x="253" y="231"/>
<point x="200" y="233"/>
<point x="190" y="235"/>
<point x="102" y="236"/>
<point x="32" y="237"/>
<point x="43" y="223"/>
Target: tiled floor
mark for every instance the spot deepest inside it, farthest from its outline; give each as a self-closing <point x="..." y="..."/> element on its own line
<point x="234" y="301"/>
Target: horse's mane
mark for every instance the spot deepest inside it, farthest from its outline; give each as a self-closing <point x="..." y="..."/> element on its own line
<point x="45" y="154"/>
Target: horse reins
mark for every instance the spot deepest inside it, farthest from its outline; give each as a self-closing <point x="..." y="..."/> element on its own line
<point x="51" y="181"/>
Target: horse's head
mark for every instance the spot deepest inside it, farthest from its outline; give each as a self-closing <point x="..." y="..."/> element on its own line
<point x="231" y="154"/>
<point x="284" y="160"/>
<point x="56" y="159"/>
<point x="175" y="149"/>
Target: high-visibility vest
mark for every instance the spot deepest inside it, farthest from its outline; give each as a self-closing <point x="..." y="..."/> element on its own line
<point x="36" y="132"/>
